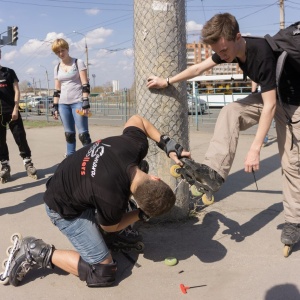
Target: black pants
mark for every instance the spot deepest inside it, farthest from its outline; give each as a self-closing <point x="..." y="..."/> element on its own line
<point x="17" y="129"/>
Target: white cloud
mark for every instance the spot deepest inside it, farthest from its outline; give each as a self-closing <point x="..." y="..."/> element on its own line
<point x="193" y="26"/>
<point x="1" y="20"/>
<point x="30" y="71"/>
<point x="94" y="37"/>
<point x="41" y="48"/>
<point x="128" y="52"/>
<point x="92" y="11"/>
<point x="10" y="56"/>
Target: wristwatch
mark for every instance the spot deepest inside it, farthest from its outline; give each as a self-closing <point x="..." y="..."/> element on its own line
<point x="143" y="216"/>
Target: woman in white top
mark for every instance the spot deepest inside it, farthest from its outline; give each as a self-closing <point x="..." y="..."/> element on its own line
<point x="71" y="95"/>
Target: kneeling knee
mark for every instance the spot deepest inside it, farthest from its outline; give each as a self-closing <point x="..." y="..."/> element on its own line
<point x="97" y="275"/>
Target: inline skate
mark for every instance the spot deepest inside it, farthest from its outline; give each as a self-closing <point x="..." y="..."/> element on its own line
<point x="24" y="255"/>
<point x="290" y="235"/>
<point x="30" y="169"/>
<point x="5" y="171"/>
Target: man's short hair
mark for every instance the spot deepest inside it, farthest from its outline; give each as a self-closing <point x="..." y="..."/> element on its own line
<point x="154" y="197"/>
<point x="59" y="43"/>
<point x="220" y="25"/>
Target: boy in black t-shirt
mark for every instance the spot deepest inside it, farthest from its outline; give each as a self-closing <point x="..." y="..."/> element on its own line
<point x="100" y="176"/>
<point x="258" y="61"/>
<point x="9" y="114"/>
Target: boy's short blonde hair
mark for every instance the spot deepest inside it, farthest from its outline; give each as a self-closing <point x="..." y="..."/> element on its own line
<point x="59" y="43"/>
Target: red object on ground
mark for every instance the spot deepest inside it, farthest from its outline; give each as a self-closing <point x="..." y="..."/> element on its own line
<point x="184" y="288"/>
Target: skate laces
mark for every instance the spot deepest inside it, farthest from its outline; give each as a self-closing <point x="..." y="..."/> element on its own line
<point x="129" y="232"/>
<point x="290" y="228"/>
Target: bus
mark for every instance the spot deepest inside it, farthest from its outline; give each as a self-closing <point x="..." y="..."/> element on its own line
<point x="219" y="90"/>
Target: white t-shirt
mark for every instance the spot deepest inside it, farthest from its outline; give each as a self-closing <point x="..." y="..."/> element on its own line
<point x="71" y="86"/>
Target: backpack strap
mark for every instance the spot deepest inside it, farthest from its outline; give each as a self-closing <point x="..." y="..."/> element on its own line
<point x="272" y="43"/>
<point x="76" y="63"/>
<point x="279" y="69"/>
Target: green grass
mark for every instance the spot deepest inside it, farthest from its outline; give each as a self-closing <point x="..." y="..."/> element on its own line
<point x="40" y="124"/>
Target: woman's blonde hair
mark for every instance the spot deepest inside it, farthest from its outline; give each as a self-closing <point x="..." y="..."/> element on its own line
<point x="59" y="43"/>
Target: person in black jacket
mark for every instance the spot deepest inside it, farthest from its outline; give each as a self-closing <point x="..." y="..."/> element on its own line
<point x="9" y="115"/>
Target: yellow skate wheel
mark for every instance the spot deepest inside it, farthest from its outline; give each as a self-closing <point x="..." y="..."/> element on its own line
<point x="207" y="201"/>
<point x="286" y="250"/>
<point x="4" y="281"/>
<point x="173" y="171"/>
<point x="171" y="261"/>
<point x="195" y="192"/>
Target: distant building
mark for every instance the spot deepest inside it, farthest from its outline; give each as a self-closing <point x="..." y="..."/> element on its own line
<point x="197" y="52"/>
<point x="115" y="85"/>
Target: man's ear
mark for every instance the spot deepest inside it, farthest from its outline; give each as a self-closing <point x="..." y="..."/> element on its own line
<point x="238" y="36"/>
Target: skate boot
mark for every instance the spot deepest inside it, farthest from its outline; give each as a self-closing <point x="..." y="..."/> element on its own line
<point x="126" y="240"/>
<point x="204" y="174"/>
<point x="5" y="171"/>
<point x="290" y="235"/>
<point x="31" y="170"/>
<point x="24" y="255"/>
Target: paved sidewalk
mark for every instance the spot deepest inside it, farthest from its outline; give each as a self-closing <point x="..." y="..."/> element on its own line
<point x="231" y="249"/>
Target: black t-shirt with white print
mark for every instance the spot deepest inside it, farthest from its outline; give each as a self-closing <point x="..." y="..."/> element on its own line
<point x="7" y="92"/>
<point x="97" y="176"/>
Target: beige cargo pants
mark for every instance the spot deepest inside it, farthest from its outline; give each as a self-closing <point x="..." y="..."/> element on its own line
<point x="241" y="115"/>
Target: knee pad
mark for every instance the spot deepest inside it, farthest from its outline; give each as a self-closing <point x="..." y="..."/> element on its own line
<point x="70" y="137"/>
<point x="85" y="138"/>
<point x="98" y="275"/>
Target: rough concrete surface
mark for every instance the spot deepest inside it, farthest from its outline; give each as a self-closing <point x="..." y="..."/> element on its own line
<point x="229" y="250"/>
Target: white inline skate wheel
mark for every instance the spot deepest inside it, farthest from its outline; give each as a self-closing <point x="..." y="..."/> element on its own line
<point x="4" y="262"/>
<point x="3" y="281"/>
<point x="15" y="235"/>
<point x="8" y="250"/>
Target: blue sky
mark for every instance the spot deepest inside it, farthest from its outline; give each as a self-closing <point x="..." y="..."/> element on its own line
<point x="108" y="29"/>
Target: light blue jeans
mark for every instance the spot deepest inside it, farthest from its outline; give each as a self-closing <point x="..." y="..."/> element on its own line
<point x="70" y="118"/>
<point x="83" y="233"/>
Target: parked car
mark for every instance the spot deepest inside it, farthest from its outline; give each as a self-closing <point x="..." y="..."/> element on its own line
<point x="42" y="104"/>
<point x="33" y="101"/>
<point x="201" y="105"/>
<point x="24" y="105"/>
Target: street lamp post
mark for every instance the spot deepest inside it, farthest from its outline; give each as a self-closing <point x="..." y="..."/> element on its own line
<point x="47" y="101"/>
<point x="86" y="51"/>
<point x="94" y="76"/>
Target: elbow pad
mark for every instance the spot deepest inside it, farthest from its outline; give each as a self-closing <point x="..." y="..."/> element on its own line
<point x="86" y="88"/>
<point x="56" y="93"/>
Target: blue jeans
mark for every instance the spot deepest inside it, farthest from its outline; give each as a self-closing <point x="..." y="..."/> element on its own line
<point x="70" y="118"/>
<point x="83" y="233"/>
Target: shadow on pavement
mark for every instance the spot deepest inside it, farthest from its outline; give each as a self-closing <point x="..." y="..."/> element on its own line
<point x="30" y="202"/>
<point x="283" y="291"/>
<point x="183" y="240"/>
<point x="239" y="180"/>
<point x="33" y="183"/>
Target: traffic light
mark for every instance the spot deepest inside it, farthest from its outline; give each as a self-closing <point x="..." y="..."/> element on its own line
<point x="12" y="34"/>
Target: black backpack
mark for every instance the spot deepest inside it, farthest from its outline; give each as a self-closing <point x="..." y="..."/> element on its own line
<point x="286" y="43"/>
